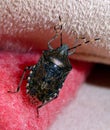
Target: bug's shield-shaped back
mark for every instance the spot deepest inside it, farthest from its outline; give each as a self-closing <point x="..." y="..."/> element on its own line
<point x="49" y="75"/>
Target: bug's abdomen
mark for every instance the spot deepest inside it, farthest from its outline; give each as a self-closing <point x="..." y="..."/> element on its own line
<point x="44" y="82"/>
<point x="49" y="82"/>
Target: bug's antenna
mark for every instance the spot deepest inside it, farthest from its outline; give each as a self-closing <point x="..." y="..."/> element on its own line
<point x="58" y="30"/>
<point x="74" y="47"/>
<point x="61" y="32"/>
<point x="96" y="39"/>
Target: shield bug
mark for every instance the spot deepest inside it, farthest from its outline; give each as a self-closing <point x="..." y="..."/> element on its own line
<point x="46" y="78"/>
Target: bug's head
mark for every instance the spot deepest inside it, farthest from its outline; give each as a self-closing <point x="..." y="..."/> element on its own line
<point x="63" y="50"/>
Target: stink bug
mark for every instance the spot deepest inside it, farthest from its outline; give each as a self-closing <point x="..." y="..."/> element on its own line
<point x="47" y="76"/>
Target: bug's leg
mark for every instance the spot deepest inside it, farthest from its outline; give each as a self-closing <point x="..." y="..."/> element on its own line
<point x="37" y="112"/>
<point x="49" y="43"/>
<point x="25" y="77"/>
<point x="46" y="102"/>
<point x="58" y="30"/>
<point x="19" y="85"/>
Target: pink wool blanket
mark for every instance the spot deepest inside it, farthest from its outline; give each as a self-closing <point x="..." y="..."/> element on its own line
<point x="16" y="110"/>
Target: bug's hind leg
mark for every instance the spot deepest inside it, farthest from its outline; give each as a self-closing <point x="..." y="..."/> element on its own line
<point x="43" y="104"/>
<point x="22" y="78"/>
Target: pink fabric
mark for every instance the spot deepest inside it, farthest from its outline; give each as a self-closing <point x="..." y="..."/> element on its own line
<point x="16" y="111"/>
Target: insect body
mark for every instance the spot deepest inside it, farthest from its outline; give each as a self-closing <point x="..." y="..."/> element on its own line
<point x="47" y="76"/>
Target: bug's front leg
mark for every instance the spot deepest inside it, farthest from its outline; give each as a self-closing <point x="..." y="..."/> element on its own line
<point x="21" y="80"/>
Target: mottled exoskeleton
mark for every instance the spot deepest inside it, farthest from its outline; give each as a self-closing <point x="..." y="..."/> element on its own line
<point x="46" y="78"/>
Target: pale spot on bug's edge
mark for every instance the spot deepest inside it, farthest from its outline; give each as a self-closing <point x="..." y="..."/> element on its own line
<point x="31" y="72"/>
<point x="27" y="90"/>
<point x="27" y="85"/>
<point x="50" y="98"/>
<point x="59" y="89"/>
<point x="55" y="94"/>
<point x="34" y="66"/>
<point x="57" y="62"/>
<point x="45" y="101"/>
<point x="29" y="78"/>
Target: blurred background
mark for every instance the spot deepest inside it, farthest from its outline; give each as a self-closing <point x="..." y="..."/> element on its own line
<point x="91" y="108"/>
